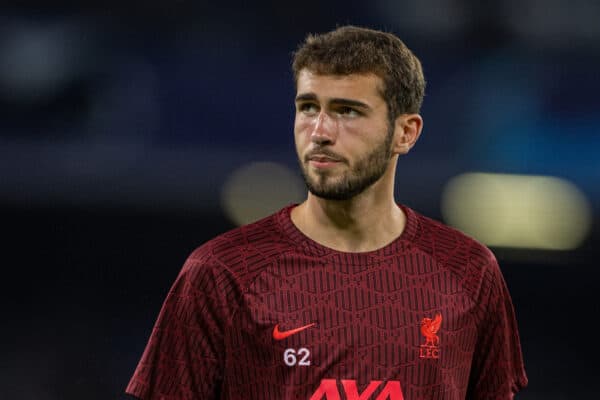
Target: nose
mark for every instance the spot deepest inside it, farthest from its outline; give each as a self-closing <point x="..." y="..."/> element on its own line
<point x="325" y="130"/>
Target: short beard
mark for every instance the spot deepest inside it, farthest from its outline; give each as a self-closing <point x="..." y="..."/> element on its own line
<point x="365" y="172"/>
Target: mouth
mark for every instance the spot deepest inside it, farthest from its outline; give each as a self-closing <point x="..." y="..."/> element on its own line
<point x="323" y="155"/>
<point x="320" y="161"/>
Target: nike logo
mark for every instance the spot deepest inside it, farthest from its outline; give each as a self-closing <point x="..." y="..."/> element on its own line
<point x="280" y="335"/>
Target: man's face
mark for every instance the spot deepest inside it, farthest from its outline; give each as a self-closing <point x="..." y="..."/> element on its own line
<point x="343" y="136"/>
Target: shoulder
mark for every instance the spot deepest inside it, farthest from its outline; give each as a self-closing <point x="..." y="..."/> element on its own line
<point x="442" y="240"/>
<point x="462" y="255"/>
<point x="243" y="250"/>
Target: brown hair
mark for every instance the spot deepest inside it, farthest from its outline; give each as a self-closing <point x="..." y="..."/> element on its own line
<point x="355" y="50"/>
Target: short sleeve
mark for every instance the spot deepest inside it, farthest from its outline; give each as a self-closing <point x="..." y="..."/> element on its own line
<point x="183" y="357"/>
<point x="497" y="371"/>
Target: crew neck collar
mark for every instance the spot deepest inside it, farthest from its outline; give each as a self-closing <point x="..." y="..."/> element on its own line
<point x="314" y="248"/>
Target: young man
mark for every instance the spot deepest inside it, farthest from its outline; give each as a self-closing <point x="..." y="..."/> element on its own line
<point x="347" y="295"/>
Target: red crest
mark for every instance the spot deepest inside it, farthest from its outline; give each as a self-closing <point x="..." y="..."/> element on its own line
<point x="429" y="329"/>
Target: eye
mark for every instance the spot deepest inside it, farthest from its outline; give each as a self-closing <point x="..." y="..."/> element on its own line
<point x="348" y="111"/>
<point x="307" y="108"/>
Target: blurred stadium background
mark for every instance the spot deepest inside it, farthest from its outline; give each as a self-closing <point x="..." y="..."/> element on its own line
<point x="133" y="131"/>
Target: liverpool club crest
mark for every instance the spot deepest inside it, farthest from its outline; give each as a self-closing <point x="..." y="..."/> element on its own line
<point x="429" y="329"/>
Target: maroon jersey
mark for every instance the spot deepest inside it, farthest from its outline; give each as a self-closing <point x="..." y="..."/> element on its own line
<point x="263" y="312"/>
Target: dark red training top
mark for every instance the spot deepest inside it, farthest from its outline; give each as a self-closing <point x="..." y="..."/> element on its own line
<point x="264" y="313"/>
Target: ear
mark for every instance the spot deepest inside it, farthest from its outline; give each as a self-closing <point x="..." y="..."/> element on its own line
<point x="407" y="129"/>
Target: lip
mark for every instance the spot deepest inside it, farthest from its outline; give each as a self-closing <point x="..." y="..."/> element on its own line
<point x="322" y="161"/>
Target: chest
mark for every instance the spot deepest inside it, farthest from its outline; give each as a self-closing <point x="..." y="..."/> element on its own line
<point x="403" y="319"/>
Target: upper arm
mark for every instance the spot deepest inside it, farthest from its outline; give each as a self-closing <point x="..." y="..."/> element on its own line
<point x="497" y="371"/>
<point x="183" y="357"/>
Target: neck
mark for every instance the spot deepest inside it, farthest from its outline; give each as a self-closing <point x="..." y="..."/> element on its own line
<point x="366" y="222"/>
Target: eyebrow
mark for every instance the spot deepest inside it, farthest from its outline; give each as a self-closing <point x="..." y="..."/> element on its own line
<point x="336" y="101"/>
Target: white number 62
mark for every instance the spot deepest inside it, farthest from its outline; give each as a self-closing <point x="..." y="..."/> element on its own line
<point x="291" y="357"/>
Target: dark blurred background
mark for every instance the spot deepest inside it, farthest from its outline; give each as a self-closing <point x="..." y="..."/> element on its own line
<point x="133" y="131"/>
